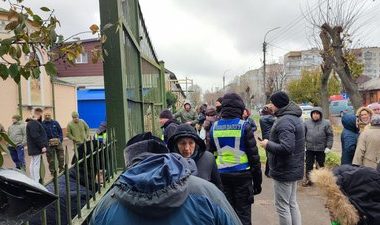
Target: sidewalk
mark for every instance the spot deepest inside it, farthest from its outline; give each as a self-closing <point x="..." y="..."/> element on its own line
<point x="311" y="204"/>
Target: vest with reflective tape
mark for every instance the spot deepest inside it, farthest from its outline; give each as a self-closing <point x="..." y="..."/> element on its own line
<point x="229" y="158"/>
<point x="102" y="137"/>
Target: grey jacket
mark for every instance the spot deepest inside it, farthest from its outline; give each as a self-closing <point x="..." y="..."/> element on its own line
<point x="17" y="133"/>
<point x="318" y="134"/>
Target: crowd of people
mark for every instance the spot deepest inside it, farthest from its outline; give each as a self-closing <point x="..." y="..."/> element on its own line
<point x="206" y="167"/>
<point x="40" y="135"/>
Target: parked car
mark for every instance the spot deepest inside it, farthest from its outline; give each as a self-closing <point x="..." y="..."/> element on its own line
<point x="341" y="107"/>
<point x="306" y="111"/>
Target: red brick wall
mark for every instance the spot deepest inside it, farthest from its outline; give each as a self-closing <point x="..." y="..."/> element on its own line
<point x="87" y="69"/>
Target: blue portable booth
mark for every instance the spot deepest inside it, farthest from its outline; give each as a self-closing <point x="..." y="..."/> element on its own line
<point x="92" y="106"/>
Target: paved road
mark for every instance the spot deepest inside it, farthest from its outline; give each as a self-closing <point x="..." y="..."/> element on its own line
<point x="311" y="204"/>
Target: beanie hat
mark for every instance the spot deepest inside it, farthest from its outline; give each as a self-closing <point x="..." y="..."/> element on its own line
<point x="166" y="114"/>
<point x="16" y="117"/>
<point x="280" y="99"/>
<point x="75" y="114"/>
<point x="375" y="120"/>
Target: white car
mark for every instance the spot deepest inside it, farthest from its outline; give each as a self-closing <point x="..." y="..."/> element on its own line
<point x="306" y="111"/>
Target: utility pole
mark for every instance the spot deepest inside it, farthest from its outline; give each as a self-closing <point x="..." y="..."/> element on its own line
<point x="224" y="83"/>
<point x="264" y="70"/>
<point x="264" y="62"/>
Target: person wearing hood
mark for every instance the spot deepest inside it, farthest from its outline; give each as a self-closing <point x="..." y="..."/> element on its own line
<point x="367" y="151"/>
<point x="349" y="138"/>
<point x="351" y="194"/>
<point x="211" y="117"/>
<point x="17" y="134"/>
<point x="319" y="138"/>
<point x="187" y="143"/>
<point x="186" y="115"/>
<point x="364" y="116"/>
<point x="237" y="156"/>
<point x="168" y="125"/>
<point x="286" y="150"/>
<point x="173" y="197"/>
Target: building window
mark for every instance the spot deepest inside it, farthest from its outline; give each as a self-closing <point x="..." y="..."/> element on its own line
<point x="82" y="58"/>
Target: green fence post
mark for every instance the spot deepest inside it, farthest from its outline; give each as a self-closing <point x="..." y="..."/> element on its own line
<point x="163" y="86"/>
<point x="115" y="72"/>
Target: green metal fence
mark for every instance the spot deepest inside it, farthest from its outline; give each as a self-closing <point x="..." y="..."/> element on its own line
<point x="134" y="78"/>
<point x="92" y="170"/>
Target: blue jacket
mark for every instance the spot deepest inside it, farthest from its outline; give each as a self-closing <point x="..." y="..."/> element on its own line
<point x="349" y="138"/>
<point x="53" y="129"/>
<point x="160" y="190"/>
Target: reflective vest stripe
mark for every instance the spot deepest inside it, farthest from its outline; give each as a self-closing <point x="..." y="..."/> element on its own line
<point x="230" y="157"/>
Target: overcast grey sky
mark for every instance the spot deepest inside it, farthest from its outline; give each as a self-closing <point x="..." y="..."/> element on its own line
<point x="202" y="39"/>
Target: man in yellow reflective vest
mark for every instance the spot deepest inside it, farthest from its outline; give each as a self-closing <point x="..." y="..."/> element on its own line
<point x="238" y="160"/>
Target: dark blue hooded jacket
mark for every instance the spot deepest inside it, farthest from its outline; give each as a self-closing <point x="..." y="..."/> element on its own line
<point x="159" y="189"/>
<point x="349" y="138"/>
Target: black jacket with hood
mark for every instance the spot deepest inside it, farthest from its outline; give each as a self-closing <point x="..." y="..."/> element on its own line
<point x="232" y="107"/>
<point x="318" y="134"/>
<point x="286" y="146"/>
<point x="204" y="160"/>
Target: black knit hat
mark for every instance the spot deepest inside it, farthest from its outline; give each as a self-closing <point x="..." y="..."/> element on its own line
<point x="183" y="131"/>
<point x="280" y="99"/>
<point x="166" y="114"/>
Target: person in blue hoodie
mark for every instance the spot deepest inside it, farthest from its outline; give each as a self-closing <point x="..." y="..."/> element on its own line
<point x="349" y="138"/>
<point x="158" y="188"/>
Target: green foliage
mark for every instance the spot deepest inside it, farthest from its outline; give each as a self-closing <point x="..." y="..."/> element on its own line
<point x="4" y="140"/>
<point x="31" y="33"/>
<point x="171" y="99"/>
<point x="332" y="160"/>
<point x="355" y="66"/>
<point x="308" y="88"/>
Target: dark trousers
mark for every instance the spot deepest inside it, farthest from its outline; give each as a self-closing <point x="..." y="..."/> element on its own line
<point x="239" y="193"/>
<point x="314" y="156"/>
<point x="17" y="154"/>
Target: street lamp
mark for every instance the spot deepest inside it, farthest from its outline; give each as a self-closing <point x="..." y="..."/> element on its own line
<point x="264" y="61"/>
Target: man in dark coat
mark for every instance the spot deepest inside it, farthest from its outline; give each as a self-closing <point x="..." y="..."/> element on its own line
<point x="37" y="143"/>
<point x="168" y="124"/>
<point x="286" y="148"/>
<point x="319" y="138"/>
<point x="237" y="156"/>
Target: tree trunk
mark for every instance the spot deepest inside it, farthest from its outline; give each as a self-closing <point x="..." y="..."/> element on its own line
<point x="326" y="72"/>
<point x="341" y="65"/>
